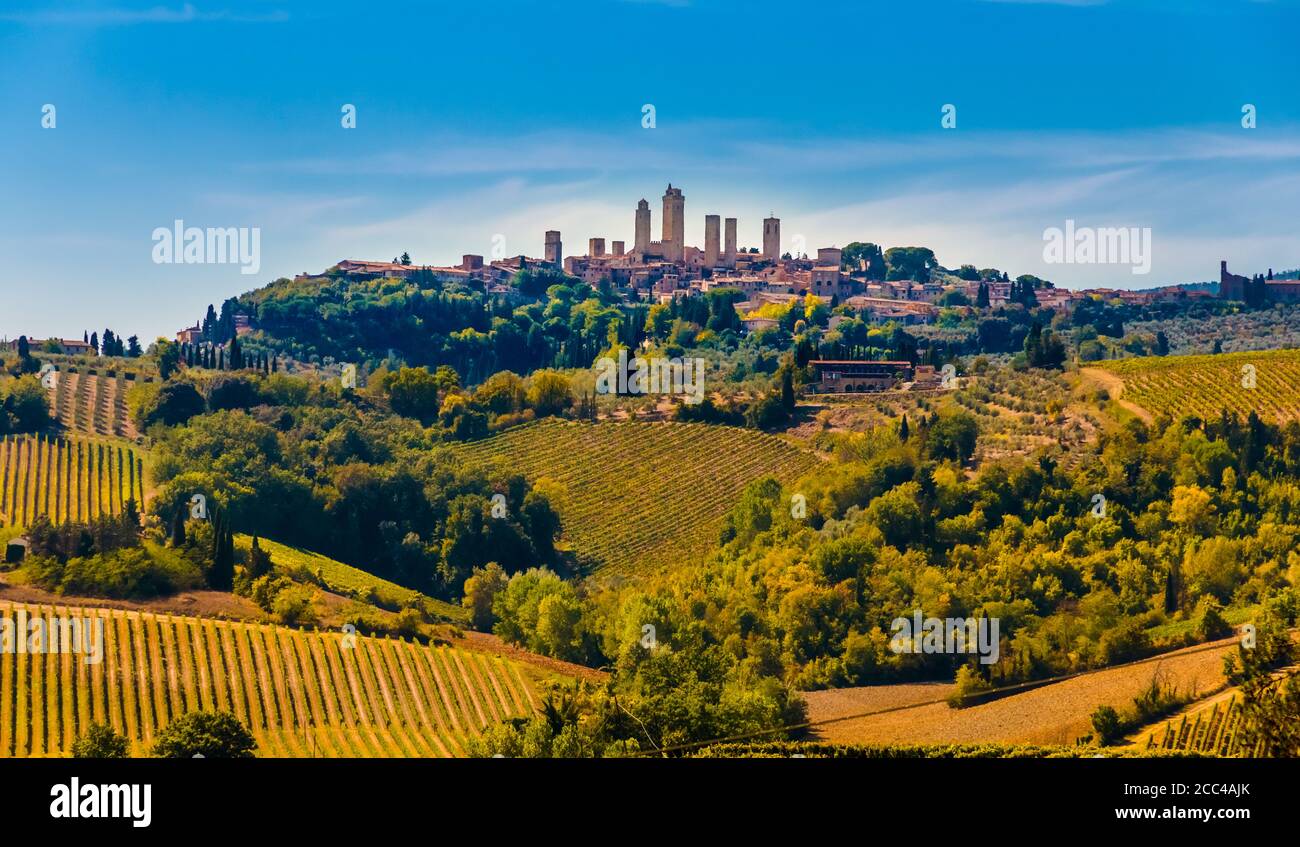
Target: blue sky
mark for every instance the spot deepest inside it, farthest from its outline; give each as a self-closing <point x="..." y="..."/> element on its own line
<point x="505" y="117"/>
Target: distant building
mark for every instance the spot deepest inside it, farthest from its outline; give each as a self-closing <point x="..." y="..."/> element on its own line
<point x="376" y="270"/>
<point x="772" y="239"/>
<point x="71" y="346"/>
<point x="16" y="550"/>
<point x="1260" y="288"/>
<point x="756" y="324"/>
<point x="835" y="376"/>
<point x="554" y="248"/>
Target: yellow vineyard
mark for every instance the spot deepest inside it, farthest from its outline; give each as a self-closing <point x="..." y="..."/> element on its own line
<point x="300" y="693"/>
<point x="1265" y="382"/>
<point x="66" y="479"/>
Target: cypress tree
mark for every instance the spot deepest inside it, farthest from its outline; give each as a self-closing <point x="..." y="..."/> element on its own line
<point x="259" y="562"/>
<point x="178" y="527"/>
<point x="221" y="577"/>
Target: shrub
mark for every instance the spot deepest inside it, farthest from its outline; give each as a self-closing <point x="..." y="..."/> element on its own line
<point x="1211" y="625"/>
<point x="100" y="742"/>
<point x="969" y="683"/>
<point x="410" y="623"/>
<point x="266" y="588"/>
<point x="213" y="735"/>
<point x="1107" y="724"/>
<point x="131" y="573"/>
<point x="294" y="606"/>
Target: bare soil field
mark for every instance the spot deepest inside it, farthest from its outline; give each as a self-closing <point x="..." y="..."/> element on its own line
<point x="1059" y="713"/>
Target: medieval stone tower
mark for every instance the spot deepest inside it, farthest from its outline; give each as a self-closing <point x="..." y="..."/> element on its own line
<point x="554" y="248"/>
<point x="712" y="230"/>
<point x="674" y="237"/>
<point x="772" y="238"/>
<point x="642" y="240"/>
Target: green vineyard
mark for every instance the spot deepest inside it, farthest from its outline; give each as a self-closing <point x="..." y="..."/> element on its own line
<point x="300" y="693"/>
<point x="638" y="496"/>
<point x="1265" y="382"/>
<point x="94" y="403"/>
<point x="66" y="479"/>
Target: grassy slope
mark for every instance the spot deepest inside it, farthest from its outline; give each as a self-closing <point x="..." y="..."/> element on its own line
<point x="640" y="496"/>
<point x="345" y="579"/>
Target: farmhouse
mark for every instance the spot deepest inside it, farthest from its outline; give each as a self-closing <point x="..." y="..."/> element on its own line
<point x="847" y="376"/>
<point x="71" y="346"/>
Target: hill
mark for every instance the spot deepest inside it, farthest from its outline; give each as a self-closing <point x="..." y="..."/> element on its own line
<point x="1265" y="382"/>
<point x="639" y="496"/>
<point x="66" y="479"/>
<point x="300" y="693"/>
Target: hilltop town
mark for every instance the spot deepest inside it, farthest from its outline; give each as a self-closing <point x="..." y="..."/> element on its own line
<point x="667" y="268"/>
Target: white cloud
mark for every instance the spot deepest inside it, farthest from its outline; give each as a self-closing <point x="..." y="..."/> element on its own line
<point x="91" y="16"/>
<point x="979" y="198"/>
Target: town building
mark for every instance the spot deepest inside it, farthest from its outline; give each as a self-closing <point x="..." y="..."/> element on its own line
<point x="836" y="376"/>
<point x="1235" y="287"/>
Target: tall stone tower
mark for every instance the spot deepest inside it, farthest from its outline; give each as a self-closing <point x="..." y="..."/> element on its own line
<point x="772" y="238"/>
<point x="642" y="241"/>
<point x="729" y="243"/>
<point x="674" y="237"/>
<point x="711" y="231"/>
<point x="554" y="249"/>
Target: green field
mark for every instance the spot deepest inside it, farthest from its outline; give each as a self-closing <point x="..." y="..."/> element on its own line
<point x="300" y="693"/>
<point x="345" y="579"/>
<point x="1206" y="386"/>
<point x="640" y="496"/>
